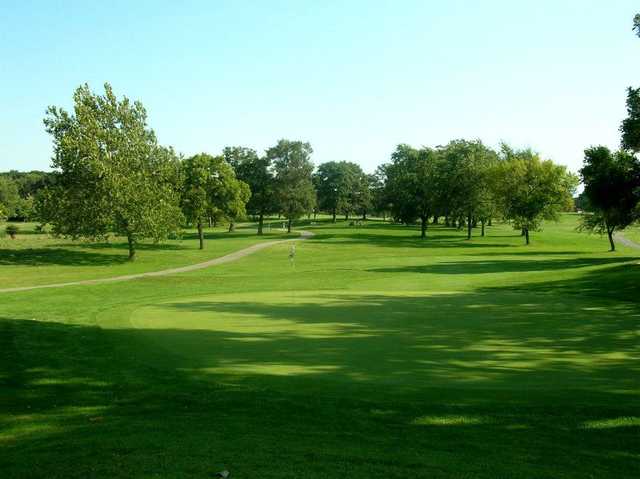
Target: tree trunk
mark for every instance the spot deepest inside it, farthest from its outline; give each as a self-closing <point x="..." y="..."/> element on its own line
<point x="334" y="215"/>
<point x="289" y="226"/>
<point x="475" y="222"/>
<point x="489" y="222"/>
<point x="200" y="234"/>
<point x="364" y="216"/>
<point x="346" y="216"/>
<point x="482" y="224"/>
<point x="210" y="222"/>
<point x="610" y="235"/>
<point x="423" y="227"/>
<point x="526" y="235"/>
<point x="132" y="246"/>
<point x="469" y="226"/>
<point x="446" y="221"/>
<point x="314" y="215"/>
<point x="522" y="233"/>
<point x="232" y="226"/>
<point x="260" y="223"/>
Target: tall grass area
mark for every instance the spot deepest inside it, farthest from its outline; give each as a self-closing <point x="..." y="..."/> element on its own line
<point x="373" y="354"/>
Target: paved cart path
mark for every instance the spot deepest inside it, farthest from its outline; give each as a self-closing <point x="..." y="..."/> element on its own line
<point x="228" y="258"/>
<point x="626" y="242"/>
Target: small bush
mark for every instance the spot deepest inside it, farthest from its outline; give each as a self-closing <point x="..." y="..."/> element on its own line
<point x="12" y="231"/>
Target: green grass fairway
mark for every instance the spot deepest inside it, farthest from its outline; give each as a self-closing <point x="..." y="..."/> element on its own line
<point x="377" y="355"/>
<point x="34" y="259"/>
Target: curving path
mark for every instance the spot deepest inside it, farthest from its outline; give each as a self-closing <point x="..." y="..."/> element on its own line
<point x="236" y="255"/>
<point x="626" y="242"/>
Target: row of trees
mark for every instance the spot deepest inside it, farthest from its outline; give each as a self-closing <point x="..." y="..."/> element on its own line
<point x="611" y="179"/>
<point x="17" y="192"/>
<point x="111" y="176"/>
<point x="468" y="183"/>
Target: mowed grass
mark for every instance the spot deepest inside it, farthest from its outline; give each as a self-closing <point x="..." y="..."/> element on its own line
<point x="35" y="258"/>
<point x="375" y="355"/>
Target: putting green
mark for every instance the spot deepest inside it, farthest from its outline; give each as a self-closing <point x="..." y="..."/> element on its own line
<point x="411" y="340"/>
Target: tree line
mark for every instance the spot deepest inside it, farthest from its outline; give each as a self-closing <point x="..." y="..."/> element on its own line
<point x="111" y="176"/>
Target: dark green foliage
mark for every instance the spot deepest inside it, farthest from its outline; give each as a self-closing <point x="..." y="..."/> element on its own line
<point x="630" y="127"/>
<point x="257" y="173"/>
<point x="412" y="184"/>
<point x="611" y="186"/>
<point x="12" y="230"/>
<point x="342" y="188"/>
<point x="294" y="188"/>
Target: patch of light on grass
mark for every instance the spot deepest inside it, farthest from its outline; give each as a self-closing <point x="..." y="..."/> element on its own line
<point x="612" y="423"/>
<point x="449" y="420"/>
<point x="269" y="369"/>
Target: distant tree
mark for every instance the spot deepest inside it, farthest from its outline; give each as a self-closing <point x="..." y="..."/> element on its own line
<point x="256" y="172"/>
<point x="532" y="190"/>
<point x="9" y="196"/>
<point x="12" y="231"/>
<point x="464" y="185"/>
<point x="337" y="183"/>
<point x="636" y="24"/>
<point x="411" y="180"/>
<point x="611" y="186"/>
<point x="581" y="203"/>
<point x="199" y="174"/>
<point x="381" y="202"/>
<point x="363" y="201"/>
<point x="295" y="192"/>
<point x="630" y="127"/>
<point x="110" y="174"/>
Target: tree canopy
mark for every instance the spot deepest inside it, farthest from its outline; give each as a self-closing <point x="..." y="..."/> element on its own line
<point x="292" y="165"/>
<point x="257" y="173"/>
<point x="531" y="190"/>
<point x="110" y="174"/>
<point x="412" y="177"/>
<point x="611" y="186"/>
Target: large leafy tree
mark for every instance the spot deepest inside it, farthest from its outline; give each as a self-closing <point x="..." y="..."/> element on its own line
<point x="257" y="173"/>
<point x="294" y="187"/>
<point x="611" y="187"/>
<point x="531" y="190"/>
<point x="110" y="174"/>
<point x="338" y="187"/>
<point x="464" y="182"/>
<point x="411" y="182"/>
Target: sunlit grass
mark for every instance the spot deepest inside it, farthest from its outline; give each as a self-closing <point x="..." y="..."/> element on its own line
<point x="375" y="355"/>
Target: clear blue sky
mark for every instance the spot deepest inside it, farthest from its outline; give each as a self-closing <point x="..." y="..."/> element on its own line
<point x="354" y="78"/>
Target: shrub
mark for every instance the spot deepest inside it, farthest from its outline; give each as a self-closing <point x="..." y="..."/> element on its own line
<point x="12" y="231"/>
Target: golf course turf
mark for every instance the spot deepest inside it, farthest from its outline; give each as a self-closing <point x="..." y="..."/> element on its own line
<point x="373" y="354"/>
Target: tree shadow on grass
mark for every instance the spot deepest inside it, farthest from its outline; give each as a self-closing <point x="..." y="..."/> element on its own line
<point x="504" y="265"/>
<point x="439" y="241"/>
<point x="57" y="256"/>
<point x="123" y="246"/>
<point x="388" y="386"/>
<point x="616" y="282"/>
